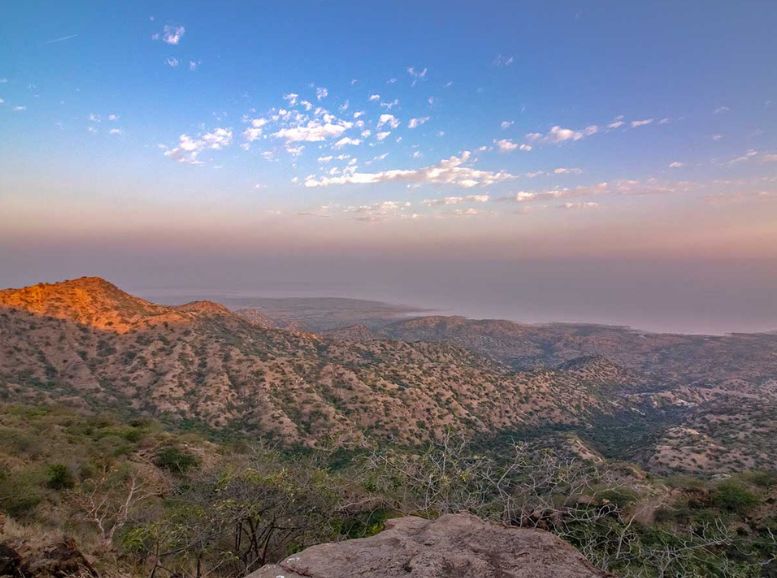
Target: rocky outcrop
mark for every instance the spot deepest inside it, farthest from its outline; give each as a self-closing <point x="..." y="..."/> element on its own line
<point x="60" y="559"/>
<point x="455" y="545"/>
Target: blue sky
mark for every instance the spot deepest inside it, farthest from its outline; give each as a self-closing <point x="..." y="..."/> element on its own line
<point x="499" y="130"/>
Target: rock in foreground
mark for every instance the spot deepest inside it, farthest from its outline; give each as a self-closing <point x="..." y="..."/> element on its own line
<point x="456" y="545"/>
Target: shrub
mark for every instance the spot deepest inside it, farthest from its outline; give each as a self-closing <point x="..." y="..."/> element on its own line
<point x="59" y="477"/>
<point x="734" y="497"/>
<point x="176" y="460"/>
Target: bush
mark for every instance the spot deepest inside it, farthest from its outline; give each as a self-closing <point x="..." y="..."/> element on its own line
<point x="59" y="477"/>
<point x="734" y="497"/>
<point x="176" y="460"/>
<point x="18" y="493"/>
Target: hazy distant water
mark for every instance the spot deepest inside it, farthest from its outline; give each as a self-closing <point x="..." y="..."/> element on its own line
<point x="736" y="297"/>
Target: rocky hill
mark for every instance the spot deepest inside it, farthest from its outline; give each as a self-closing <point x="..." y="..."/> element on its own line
<point x="87" y="341"/>
<point x="456" y="545"/>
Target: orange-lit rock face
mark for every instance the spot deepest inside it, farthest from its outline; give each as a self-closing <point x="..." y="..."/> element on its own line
<point x="98" y="304"/>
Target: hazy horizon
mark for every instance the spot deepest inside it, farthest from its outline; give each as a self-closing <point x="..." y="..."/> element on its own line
<point x="681" y="297"/>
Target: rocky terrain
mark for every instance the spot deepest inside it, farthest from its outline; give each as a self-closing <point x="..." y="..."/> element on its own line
<point x="674" y="403"/>
<point x="87" y="341"/>
<point x="456" y="545"/>
<point x="694" y="404"/>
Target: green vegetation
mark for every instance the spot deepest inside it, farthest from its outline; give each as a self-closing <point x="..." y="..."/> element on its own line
<point x="142" y="500"/>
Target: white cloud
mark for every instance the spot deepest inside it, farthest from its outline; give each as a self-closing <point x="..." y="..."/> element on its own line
<point x="584" y="205"/>
<point x="567" y="171"/>
<point x="451" y="171"/>
<point x="374" y="97"/>
<point x="172" y="34"/>
<point x="321" y="93"/>
<point x="388" y="119"/>
<point x="116" y="131"/>
<point x="172" y="62"/>
<point x="389" y="105"/>
<point x="676" y="165"/>
<point x="255" y="131"/>
<point x="194" y="65"/>
<point x="444" y="201"/>
<point x="505" y="124"/>
<point x="558" y="135"/>
<point x="19" y="108"/>
<point x="506" y="145"/>
<point x="417" y="74"/>
<point x="416" y="122"/>
<point x="382" y="135"/>
<point x="502" y="60"/>
<point x="617" y="123"/>
<point x="189" y="148"/>
<point x="347" y="141"/>
<point x="378" y="211"/>
<point x="292" y="98"/>
<point x="639" y="123"/>
<point x="722" y="109"/>
<point x="293" y="150"/>
<point x="313" y="131"/>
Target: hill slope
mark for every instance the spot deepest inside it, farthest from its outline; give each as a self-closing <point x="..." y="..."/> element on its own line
<point x="87" y="341"/>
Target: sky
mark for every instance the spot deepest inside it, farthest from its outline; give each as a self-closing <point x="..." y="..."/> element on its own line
<point x="609" y="162"/>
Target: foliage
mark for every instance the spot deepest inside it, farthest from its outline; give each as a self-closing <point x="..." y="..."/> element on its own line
<point x="59" y="477"/>
<point x="145" y="501"/>
<point x="176" y="460"/>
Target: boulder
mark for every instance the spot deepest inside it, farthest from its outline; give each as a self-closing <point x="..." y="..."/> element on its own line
<point x="455" y="545"/>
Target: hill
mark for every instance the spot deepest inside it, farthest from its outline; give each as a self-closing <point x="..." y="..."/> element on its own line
<point x="88" y="342"/>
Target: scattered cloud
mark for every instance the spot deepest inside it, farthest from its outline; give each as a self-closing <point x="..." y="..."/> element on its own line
<point x="452" y="171"/>
<point x="558" y="135"/>
<point x="172" y="62"/>
<point x="505" y="124"/>
<point x="506" y="145"/>
<point x="61" y="39"/>
<point x="379" y="211"/>
<point x="388" y="119"/>
<point x="444" y="201"/>
<point x="189" y="148"/>
<point x="580" y="205"/>
<point x="639" y="123"/>
<point x="321" y="93"/>
<point x="416" y="122"/>
<point x="313" y="131"/>
<point x="567" y="171"/>
<point x="254" y="132"/>
<point x="172" y="34"/>
<point x="417" y="74"/>
<point x="347" y="141"/>
<point x="374" y="97"/>
<point x="501" y="60"/>
<point x="721" y="109"/>
<point x="676" y="165"/>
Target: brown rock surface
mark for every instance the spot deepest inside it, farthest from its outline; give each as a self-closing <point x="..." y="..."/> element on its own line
<point x="455" y="545"/>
